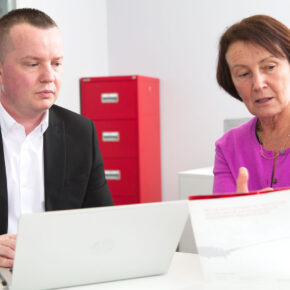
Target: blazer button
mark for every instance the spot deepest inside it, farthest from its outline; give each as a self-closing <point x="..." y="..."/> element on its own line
<point x="274" y="181"/>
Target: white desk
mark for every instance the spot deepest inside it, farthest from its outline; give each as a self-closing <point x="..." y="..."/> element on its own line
<point x="193" y="182"/>
<point x="185" y="273"/>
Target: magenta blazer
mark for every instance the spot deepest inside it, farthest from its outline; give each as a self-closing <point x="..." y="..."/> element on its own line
<point x="240" y="147"/>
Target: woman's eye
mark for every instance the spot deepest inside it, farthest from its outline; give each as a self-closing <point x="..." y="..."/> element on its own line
<point x="270" y="67"/>
<point x="241" y="75"/>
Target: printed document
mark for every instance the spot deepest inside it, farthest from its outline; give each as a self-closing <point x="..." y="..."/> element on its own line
<point x="244" y="236"/>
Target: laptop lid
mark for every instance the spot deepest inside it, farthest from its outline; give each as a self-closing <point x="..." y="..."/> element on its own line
<point x="84" y="246"/>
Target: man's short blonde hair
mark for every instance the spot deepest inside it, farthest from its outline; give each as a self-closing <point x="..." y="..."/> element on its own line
<point x="30" y="16"/>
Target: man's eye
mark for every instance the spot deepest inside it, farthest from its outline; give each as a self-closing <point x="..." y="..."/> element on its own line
<point x="57" y="64"/>
<point x="32" y="64"/>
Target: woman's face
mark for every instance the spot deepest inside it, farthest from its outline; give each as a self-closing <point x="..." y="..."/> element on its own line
<point x="261" y="79"/>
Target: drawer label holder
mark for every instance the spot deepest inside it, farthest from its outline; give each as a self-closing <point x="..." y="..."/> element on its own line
<point x="110" y="136"/>
<point x="113" y="174"/>
<point x="109" y="98"/>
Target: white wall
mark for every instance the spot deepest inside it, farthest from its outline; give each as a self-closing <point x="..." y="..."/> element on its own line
<point x="84" y="28"/>
<point x="177" y="41"/>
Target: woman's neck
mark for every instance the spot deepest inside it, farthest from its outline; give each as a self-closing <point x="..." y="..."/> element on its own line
<point x="276" y="124"/>
<point x="273" y="132"/>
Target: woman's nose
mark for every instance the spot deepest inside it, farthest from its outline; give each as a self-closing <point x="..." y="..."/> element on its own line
<point x="259" y="81"/>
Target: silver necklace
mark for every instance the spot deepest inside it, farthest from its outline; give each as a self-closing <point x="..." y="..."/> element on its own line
<point x="281" y="151"/>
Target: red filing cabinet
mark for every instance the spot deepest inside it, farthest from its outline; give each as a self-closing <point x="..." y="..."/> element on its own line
<point x="126" y="113"/>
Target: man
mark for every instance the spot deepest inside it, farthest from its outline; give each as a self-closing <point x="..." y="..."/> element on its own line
<point x="49" y="156"/>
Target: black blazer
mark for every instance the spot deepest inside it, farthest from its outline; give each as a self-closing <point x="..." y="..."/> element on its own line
<point x="73" y="166"/>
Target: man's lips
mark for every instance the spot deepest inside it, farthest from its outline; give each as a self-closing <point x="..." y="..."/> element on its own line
<point x="263" y="100"/>
<point x="46" y="93"/>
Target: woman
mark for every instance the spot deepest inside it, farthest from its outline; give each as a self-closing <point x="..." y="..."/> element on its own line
<point x="254" y="67"/>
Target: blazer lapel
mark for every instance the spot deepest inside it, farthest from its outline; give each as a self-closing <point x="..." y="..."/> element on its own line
<point x="54" y="161"/>
<point x="3" y="192"/>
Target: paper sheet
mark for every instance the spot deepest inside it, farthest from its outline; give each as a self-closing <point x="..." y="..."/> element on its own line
<point x="246" y="236"/>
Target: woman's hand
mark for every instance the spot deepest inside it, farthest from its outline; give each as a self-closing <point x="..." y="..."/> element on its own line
<point x="242" y="181"/>
<point x="7" y="250"/>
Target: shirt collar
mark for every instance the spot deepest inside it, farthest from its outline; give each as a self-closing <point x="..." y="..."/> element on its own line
<point x="44" y="122"/>
<point x="7" y="122"/>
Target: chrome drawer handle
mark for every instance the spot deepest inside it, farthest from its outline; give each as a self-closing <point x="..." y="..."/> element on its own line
<point x="110" y="98"/>
<point x="110" y="136"/>
<point x="113" y="174"/>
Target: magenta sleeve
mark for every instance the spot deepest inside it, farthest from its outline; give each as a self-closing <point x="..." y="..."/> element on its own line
<point x="224" y="181"/>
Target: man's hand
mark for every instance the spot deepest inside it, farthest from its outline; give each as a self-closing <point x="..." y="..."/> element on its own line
<point x="7" y="248"/>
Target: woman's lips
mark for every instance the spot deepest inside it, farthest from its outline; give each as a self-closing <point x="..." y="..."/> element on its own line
<point x="263" y="100"/>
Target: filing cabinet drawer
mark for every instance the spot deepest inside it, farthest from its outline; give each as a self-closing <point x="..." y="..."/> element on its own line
<point x="122" y="176"/>
<point x="122" y="200"/>
<point x="125" y="111"/>
<point x="106" y="100"/>
<point x="117" y="138"/>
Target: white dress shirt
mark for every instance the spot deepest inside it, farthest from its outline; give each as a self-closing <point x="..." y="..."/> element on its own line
<point x="24" y="167"/>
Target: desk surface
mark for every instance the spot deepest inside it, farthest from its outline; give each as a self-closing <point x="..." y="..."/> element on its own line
<point x="203" y="171"/>
<point x="185" y="273"/>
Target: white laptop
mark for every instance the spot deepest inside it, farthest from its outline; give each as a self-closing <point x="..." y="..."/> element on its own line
<point x="76" y="247"/>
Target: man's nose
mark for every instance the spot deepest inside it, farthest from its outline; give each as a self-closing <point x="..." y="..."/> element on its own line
<point x="47" y="73"/>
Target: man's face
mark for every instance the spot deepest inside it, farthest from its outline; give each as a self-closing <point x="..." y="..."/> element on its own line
<point x="31" y="70"/>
